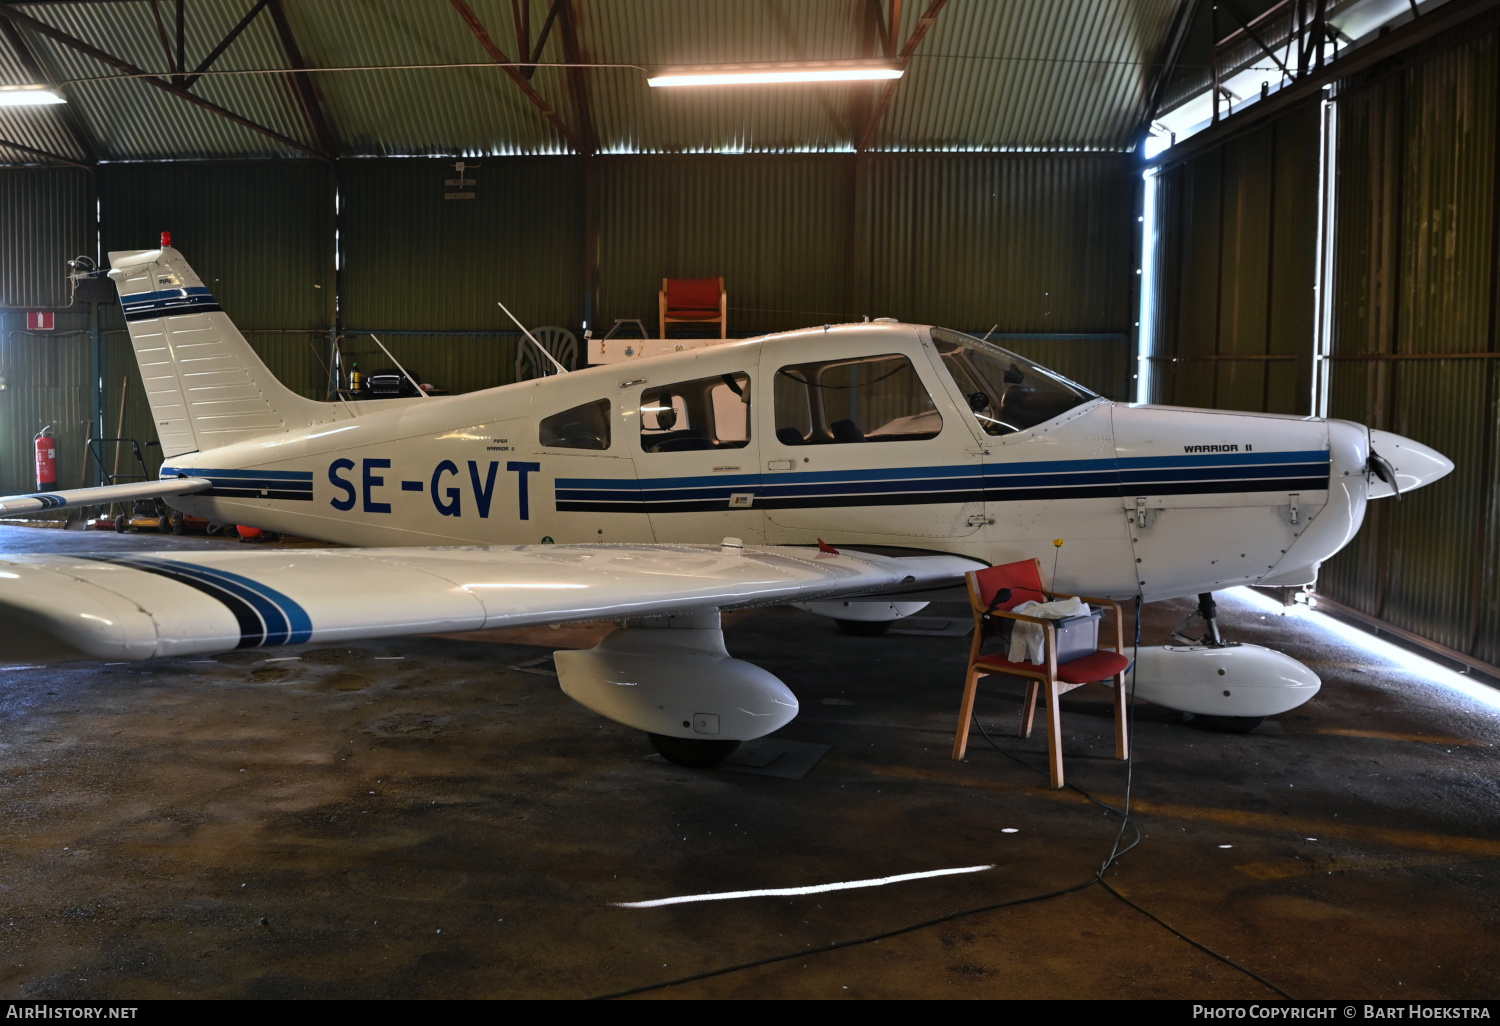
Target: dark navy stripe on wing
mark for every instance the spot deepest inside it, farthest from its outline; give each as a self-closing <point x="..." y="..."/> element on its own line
<point x="280" y="619"/>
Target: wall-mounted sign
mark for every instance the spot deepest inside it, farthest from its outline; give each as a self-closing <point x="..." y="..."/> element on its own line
<point x="40" y="320"/>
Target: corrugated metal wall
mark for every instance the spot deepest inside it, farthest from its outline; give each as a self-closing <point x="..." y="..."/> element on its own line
<point x="1033" y="244"/>
<point x="1237" y="246"/>
<point x="46" y="218"/>
<point x="776" y="228"/>
<point x="1414" y="342"/>
<point x="415" y="261"/>
<point x="1038" y="245"/>
<point x="259" y="233"/>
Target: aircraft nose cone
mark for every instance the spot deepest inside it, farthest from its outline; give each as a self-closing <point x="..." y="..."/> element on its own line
<point x="1412" y="463"/>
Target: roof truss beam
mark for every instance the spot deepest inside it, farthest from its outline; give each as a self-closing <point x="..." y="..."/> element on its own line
<point x="521" y="13"/>
<point x="924" y="24"/>
<point x="218" y="51"/>
<point x="48" y="154"/>
<point x="161" y="36"/>
<point x="1234" y="12"/>
<point x="1165" y="64"/>
<point x="498" y="56"/>
<point x="307" y="93"/>
<point x="89" y="50"/>
<point x="577" y="82"/>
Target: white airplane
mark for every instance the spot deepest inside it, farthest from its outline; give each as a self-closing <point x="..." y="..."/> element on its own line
<point x="660" y="491"/>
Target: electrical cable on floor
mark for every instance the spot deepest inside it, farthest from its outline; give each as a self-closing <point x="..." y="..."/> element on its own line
<point x="1116" y="853"/>
<point x="1125" y="819"/>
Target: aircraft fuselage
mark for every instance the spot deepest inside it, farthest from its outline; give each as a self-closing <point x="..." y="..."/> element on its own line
<point x="1152" y="500"/>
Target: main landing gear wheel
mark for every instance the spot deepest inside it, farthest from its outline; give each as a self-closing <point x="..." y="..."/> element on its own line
<point x="865" y="628"/>
<point x="695" y="753"/>
<point x="1227" y="724"/>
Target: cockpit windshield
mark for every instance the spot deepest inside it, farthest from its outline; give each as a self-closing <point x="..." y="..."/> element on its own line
<point x="1005" y="392"/>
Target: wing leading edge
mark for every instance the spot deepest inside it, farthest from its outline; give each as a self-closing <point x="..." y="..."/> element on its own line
<point x="130" y="606"/>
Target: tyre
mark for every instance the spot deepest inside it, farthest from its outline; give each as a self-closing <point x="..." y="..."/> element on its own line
<point x="1227" y="724"/>
<point x="120" y="524"/>
<point x="179" y="526"/>
<point x="164" y="524"/>
<point x="695" y="753"/>
<point x="865" y="628"/>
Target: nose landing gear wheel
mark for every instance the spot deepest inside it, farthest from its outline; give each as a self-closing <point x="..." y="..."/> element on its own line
<point x="695" y="753"/>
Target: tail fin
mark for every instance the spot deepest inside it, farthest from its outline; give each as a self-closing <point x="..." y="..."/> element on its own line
<point x="206" y="386"/>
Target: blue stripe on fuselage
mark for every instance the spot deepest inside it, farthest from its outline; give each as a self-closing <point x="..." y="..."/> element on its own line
<point x="1187" y="474"/>
<point x="292" y="485"/>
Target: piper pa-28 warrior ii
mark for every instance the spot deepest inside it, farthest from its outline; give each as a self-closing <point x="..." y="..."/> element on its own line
<point x="661" y="491"/>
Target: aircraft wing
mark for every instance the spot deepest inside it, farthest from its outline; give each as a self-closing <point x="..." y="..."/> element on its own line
<point x="146" y="605"/>
<point x="36" y="502"/>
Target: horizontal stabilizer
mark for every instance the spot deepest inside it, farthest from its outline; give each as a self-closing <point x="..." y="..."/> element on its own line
<point x="38" y="502"/>
<point x="146" y="605"/>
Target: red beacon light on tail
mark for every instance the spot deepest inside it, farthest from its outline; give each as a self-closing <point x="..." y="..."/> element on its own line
<point x="166" y="239"/>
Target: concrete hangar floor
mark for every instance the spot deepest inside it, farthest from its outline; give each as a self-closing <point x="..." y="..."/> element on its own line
<point x="432" y="817"/>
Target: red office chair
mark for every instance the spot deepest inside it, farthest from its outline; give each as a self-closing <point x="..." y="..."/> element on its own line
<point x="694" y="301"/>
<point x="1024" y="579"/>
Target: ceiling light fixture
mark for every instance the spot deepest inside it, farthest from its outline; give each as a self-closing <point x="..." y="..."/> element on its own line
<point x="28" y="96"/>
<point x="776" y="73"/>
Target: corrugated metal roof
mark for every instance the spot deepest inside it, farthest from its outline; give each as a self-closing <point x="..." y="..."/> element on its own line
<point x="1027" y="74"/>
<point x="40" y="128"/>
<point x="634" y="118"/>
<point x="1019" y="75"/>
<point x="132" y="120"/>
<point x="461" y="111"/>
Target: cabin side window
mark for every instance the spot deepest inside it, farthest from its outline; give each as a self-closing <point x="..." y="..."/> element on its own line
<point x="705" y="413"/>
<point x="582" y="427"/>
<point x="864" y="399"/>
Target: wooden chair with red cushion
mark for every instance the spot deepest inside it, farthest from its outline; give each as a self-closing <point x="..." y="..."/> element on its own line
<point x="1024" y="579"/>
<point x="693" y="301"/>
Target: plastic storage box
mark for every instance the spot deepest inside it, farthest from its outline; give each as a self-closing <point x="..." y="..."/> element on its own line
<point x="1077" y="636"/>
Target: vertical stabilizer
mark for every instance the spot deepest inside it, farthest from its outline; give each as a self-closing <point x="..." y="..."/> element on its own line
<point x="206" y="386"/>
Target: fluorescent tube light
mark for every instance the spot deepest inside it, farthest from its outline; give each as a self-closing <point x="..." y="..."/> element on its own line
<point x="28" y="96"/>
<point x="776" y="73"/>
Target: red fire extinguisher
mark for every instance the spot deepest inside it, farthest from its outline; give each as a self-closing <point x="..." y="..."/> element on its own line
<point x="46" y="460"/>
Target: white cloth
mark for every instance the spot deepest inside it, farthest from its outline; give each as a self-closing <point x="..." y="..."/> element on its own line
<point x="1026" y="638"/>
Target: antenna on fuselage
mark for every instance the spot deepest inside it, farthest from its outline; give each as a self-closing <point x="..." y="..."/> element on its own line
<point x="540" y="348"/>
<point x="414" y="382"/>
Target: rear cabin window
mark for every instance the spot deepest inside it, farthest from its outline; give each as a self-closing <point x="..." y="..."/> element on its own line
<point x="705" y="413"/>
<point x="582" y="427"/>
<point x="866" y="399"/>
